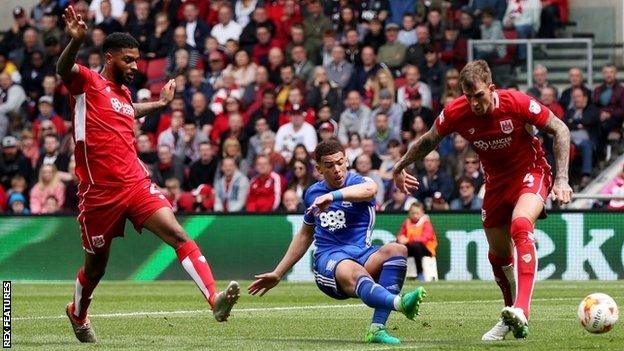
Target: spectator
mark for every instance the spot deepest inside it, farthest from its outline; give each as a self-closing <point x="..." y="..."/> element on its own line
<point x="356" y="117"/>
<point x="407" y="35"/>
<point x="291" y="202"/>
<point x="146" y="151"/>
<point x="468" y="199"/>
<point x="297" y="38"/>
<point x="548" y="97"/>
<point x="191" y="138"/>
<point x="8" y="67"/>
<point x="13" y="162"/>
<point x="231" y="189"/>
<point x="415" y="109"/>
<point x="414" y="85"/>
<point x="436" y="25"/>
<point x="140" y="25"/>
<point x="392" y="157"/>
<point x="365" y="71"/>
<point x="392" y="53"/>
<point x="584" y="123"/>
<point x="368" y="149"/>
<point x="434" y="180"/>
<point x="21" y="55"/>
<point x="297" y="131"/>
<point x="453" y="49"/>
<point x="398" y="202"/>
<point x="109" y="23"/>
<point x="266" y="188"/>
<point x="46" y="112"/>
<point x="290" y="16"/>
<point x="254" y="93"/>
<point x="364" y="167"/>
<point x="491" y="29"/>
<point x="382" y="80"/>
<point x="60" y="102"/>
<point x="242" y="68"/>
<point x="268" y="148"/>
<point x="468" y="29"/>
<point x="161" y="38"/>
<point x="173" y="136"/>
<point x="451" y="84"/>
<point x="614" y="187"/>
<point x="301" y="177"/>
<point x="228" y="89"/>
<point x="14" y="37"/>
<point x="575" y="76"/>
<point x="49" y="184"/>
<point x="392" y="110"/>
<point x="374" y="37"/>
<point x="243" y="10"/>
<point x="95" y="9"/>
<point x="296" y="101"/>
<point x="540" y="81"/>
<point x="52" y="155"/>
<point x="324" y="117"/>
<point x="30" y="147"/>
<point x="453" y="162"/>
<point x="302" y="66"/>
<point x="609" y="98"/>
<point x="415" y="52"/>
<point x="51" y="205"/>
<point x="326" y="132"/>
<point x="472" y="169"/>
<point x="255" y="142"/>
<point x="324" y="93"/>
<point x="180" y="43"/>
<point x="227" y="28"/>
<point x="196" y="29"/>
<point x="338" y="69"/>
<point x="347" y="21"/>
<point x="524" y="17"/>
<point x="203" y="170"/>
<point x="13" y="96"/>
<point x="353" y="47"/>
<point x="167" y="166"/>
<point x="353" y="148"/>
<point x="433" y="72"/>
<point x="289" y="82"/>
<point x="264" y="44"/>
<point x="94" y="45"/>
<point x="315" y="23"/>
<point x="418" y="235"/>
<point x="248" y="36"/>
<point x="17" y="204"/>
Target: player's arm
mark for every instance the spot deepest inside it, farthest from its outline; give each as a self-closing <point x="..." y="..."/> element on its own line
<point x="298" y="247"/>
<point x="561" y="190"/>
<point x="421" y="148"/>
<point x="166" y="96"/>
<point x="77" y="29"/>
<point x="362" y="192"/>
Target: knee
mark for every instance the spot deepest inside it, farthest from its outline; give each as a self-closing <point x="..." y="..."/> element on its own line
<point x="177" y="236"/>
<point x="395" y="249"/>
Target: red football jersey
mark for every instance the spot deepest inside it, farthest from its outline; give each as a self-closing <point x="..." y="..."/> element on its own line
<point x="103" y="131"/>
<point x="504" y="145"/>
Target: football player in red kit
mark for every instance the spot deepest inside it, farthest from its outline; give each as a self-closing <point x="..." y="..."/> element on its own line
<point x="499" y="126"/>
<point x="114" y="184"/>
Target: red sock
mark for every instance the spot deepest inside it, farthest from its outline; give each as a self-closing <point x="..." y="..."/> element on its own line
<point x="526" y="261"/>
<point x="83" y="294"/>
<point x="503" y="274"/>
<point x="197" y="267"/>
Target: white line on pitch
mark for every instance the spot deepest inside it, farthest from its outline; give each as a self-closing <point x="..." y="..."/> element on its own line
<point x="265" y="309"/>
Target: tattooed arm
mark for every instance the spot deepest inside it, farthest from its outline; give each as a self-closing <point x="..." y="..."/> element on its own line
<point x="423" y="146"/>
<point x="561" y="190"/>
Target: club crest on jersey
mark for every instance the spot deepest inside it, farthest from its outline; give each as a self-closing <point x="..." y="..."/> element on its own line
<point x="534" y="107"/>
<point x="98" y="240"/>
<point x="506" y="126"/>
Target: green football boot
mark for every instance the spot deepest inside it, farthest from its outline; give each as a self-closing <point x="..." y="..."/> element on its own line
<point x="379" y="335"/>
<point x="410" y="302"/>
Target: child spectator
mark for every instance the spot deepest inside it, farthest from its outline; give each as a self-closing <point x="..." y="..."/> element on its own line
<point x="418" y="235"/>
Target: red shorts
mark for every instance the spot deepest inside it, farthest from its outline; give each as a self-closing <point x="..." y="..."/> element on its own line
<point x="104" y="210"/>
<point x="500" y="199"/>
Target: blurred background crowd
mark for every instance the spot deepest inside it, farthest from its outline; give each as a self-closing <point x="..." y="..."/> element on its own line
<point x="260" y="83"/>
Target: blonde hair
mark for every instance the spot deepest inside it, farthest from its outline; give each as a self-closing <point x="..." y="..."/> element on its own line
<point x="375" y="81"/>
<point x="475" y="72"/>
<point x="231" y="142"/>
<point x="55" y="177"/>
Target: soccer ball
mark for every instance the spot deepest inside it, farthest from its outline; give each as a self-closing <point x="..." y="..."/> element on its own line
<point x="598" y="313"/>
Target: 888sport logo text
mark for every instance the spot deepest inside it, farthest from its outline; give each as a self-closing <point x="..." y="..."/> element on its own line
<point x="333" y="220"/>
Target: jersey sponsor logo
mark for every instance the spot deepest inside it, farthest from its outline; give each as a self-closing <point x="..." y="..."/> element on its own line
<point x="534" y="107"/>
<point x="506" y="126"/>
<point x="121" y="107"/>
<point x="495" y="144"/>
<point x="333" y="220"/>
<point x="98" y="240"/>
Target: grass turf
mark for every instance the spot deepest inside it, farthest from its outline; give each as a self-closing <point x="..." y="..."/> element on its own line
<point x="296" y="316"/>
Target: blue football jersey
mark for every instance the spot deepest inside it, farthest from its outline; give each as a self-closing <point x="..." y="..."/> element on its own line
<point x="344" y="223"/>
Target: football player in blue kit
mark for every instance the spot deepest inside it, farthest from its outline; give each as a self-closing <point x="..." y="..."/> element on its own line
<point x="340" y="217"/>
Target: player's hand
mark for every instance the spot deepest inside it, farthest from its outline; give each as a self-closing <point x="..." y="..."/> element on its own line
<point x="561" y="192"/>
<point x="168" y="92"/>
<point x="74" y="24"/>
<point x="320" y="204"/>
<point x="405" y="182"/>
<point x="263" y="283"/>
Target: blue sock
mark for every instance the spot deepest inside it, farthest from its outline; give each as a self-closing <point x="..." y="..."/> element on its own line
<point x="391" y="277"/>
<point x="373" y="294"/>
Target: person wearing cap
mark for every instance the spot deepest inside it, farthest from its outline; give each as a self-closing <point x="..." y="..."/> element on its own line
<point x="17" y="204"/>
<point x="392" y="53"/>
<point x="432" y="72"/>
<point x="13" y="38"/>
<point x="297" y="131"/>
<point x="13" y="98"/>
<point x="13" y="162"/>
<point x="391" y="109"/>
<point x="46" y="112"/>
<point x="413" y="84"/>
<point x="326" y="131"/>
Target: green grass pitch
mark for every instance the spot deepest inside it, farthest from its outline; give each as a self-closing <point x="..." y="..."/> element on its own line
<point x="296" y="316"/>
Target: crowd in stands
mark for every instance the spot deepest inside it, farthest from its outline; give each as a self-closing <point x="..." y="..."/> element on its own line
<point x="260" y="83"/>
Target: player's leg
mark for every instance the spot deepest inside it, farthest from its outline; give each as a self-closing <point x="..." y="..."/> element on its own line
<point x="500" y="255"/>
<point x="164" y="224"/>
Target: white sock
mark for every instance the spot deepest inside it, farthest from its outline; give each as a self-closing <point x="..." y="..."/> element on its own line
<point x="397" y="303"/>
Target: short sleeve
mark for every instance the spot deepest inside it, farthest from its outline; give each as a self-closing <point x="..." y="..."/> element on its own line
<point x="81" y="80"/>
<point x="530" y="110"/>
<point x="308" y="218"/>
<point x="442" y="124"/>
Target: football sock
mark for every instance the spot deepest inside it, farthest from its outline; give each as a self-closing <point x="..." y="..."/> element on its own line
<point x="391" y="278"/>
<point x="83" y="294"/>
<point x="375" y="295"/>
<point x="197" y="267"/>
<point x="526" y="261"/>
<point x="504" y="276"/>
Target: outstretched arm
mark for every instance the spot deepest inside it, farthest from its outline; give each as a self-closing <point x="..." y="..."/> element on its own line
<point x="298" y="247"/>
<point x="354" y="193"/>
<point x="561" y="190"/>
<point x="77" y="30"/>
<point x="166" y="96"/>
<point x="421" y="148"/>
